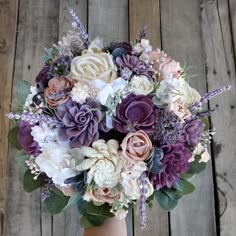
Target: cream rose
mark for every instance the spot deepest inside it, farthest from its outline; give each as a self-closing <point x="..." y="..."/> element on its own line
<point x="136" y="146"/>
<point x="104" y="163"/>
<point x="141" y="85"/>
<point x="95" y="68"/>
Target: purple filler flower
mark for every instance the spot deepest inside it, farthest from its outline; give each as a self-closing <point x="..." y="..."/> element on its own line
<point x="175" y="162"/>
<point x="25" y="139"/>
<point x="135" y="113"/>
<point x="192" y="132"/>
<point x="80" y="122"/>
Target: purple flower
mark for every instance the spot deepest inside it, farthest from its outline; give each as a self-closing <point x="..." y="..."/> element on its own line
<point x="192" y="132"/>
<point x="25" y="139"/>
<point x="175" y="162"/>
<point x="81" y="122"/>
<point x="135" y="113"/>
<point x="134" y="64"/>
<point x="43" y="77"/>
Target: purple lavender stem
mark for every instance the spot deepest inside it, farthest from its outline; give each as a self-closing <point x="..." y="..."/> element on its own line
<point x="142" y="33"/>
<point x="81" y="27"/>
<point x="143" y="198"/>
<point x="209" y="96"/>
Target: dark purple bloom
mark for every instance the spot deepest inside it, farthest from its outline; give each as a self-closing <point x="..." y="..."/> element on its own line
<point x="135" y="113"/>
<point x="81" y="122"/>
<point x="134" y="64"/>
<point x="175" y="162"/>
<point x="25" y="139"/>
<point x="192" y="132"/>
<point x="43" y="78"/>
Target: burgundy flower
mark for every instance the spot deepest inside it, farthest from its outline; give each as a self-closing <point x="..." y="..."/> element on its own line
<point x="43" y="77"/>
<point x="135" y="113"/>
<point x="25" y="139"/>
<point x="133" y="64"/>
<point x="81" y="122"/>
<point x="192" y="132"/>
<point x="175" y="162"/>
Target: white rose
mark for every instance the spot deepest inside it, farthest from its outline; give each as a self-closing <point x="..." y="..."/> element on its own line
<point x="56" y="163"/>
<point x="141" y="85"/>
<point x="104" y="163"/>
<point x="92" y="66"/>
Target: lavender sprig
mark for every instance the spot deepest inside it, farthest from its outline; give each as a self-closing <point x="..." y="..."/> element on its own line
<point x="81" y="28"/>
<point x="143" y="198"/>
<point x="32" y="118"/>
<point x="47" y="189"/>
<point x="198" y="105"/>
<point x="142" y="33"/>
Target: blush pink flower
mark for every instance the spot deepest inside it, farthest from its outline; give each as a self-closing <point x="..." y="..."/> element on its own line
<point x="136" y="146"/>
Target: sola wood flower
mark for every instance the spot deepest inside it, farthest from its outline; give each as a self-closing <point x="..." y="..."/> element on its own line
<point x="103" y="162"/>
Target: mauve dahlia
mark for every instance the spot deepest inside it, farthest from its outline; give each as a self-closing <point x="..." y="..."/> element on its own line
<point x="134" y="65"/>
<point x="80" y="122"/>
<point x="175" y="162"/>
<point x="25" y="139"/>
<point x="135" y="113"/>
<point x="192" y="132"/>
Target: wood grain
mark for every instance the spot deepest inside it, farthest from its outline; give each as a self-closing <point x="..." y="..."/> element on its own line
<point x="37" y="28"/>
<point x="145" y="13"/>
<point x="220" y="59"/>
<point x="8" y="24"/>
<point x="182" y="40"/>
<point x="148" y="13"/>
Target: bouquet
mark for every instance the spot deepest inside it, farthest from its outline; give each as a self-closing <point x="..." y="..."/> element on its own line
<point x="110" y="127"/>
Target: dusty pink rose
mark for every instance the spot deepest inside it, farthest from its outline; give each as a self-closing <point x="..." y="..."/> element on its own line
<point x="136" y="146"/>
<point x="172" y="67"/>
<point x="67" y="191"/>
<point x="100" y="195"/>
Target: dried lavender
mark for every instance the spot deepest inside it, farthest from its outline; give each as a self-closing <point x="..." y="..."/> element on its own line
<point x="142" y="200"/>
<point x="47" y="189"/>
<point x="142" y="33"/>
<point x="168" y="128"/>
<point x="81" y="28"/>
<point x="32" y="118"/>
<point x="198" y="105"/>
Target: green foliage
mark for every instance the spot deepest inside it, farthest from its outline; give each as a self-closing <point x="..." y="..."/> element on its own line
<point x="184" y="186"/>
<point x="30" y="184"/>
<point x="12" y="138"/>
<point x="196" y="166"/>
<point x="22" y="91"/>
<point x="21" y="158"/>
<point x="206" y="122"/>
<point x="56" y="202"/>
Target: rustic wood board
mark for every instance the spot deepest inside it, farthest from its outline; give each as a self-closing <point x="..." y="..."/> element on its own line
<point x="37" y="28"/>
<point x="181" y="39"/>
<point x="148" y="13"/>
<point x="8" y="25"/>
<point x="68" y="222"/>
<point x="143" y="13"/>
<point x="220" y="60"/>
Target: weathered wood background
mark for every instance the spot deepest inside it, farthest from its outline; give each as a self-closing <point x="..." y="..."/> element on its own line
<point x="201" y="33"/>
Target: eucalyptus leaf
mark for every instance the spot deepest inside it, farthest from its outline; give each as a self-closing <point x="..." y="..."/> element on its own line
<point x="196" y="166"/>
<point x="30" y="184"/>
<point x="22" y="91"/>
<point x="184" y="186"/>
<point x="21" y="158"/>
<point x="172" y="193"/>
<point x="56" y="203"/>
<point x="12" y="138"/>
<point x="82" y="205"/>
<point x="103" y="210"/>
<point x="95" y="219"/>
<point x="165" y="201"/>
<point x="73" y="199"/>
<point x="206" y="122"/>
<point x="84" y="222"/>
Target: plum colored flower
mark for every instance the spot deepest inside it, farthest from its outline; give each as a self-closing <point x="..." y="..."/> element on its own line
<point x="26" y="140"/>
<point x="134" y="65"/>
<point x="81" y="122"/>
<point x="136" y="146"/>
<point x="175" y="162"/>
<point x="192" y="132"/>
<point x="135" y="113"/>
<point x="43" y="77"/>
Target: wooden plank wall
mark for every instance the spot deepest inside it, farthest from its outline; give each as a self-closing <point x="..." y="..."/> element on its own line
<point x="199" y="32"/>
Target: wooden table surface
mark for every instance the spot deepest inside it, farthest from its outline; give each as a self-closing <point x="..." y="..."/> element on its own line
<point x="201" y="33"/>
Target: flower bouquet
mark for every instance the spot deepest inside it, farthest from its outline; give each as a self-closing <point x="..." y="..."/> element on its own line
<point x="110" y="127"/>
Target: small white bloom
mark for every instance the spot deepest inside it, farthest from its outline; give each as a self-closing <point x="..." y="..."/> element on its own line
<point x="29" y="101"/>
<point x="80" y="93"/>
<point x="141" y="85"/>
<point x="205" y="157"/>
